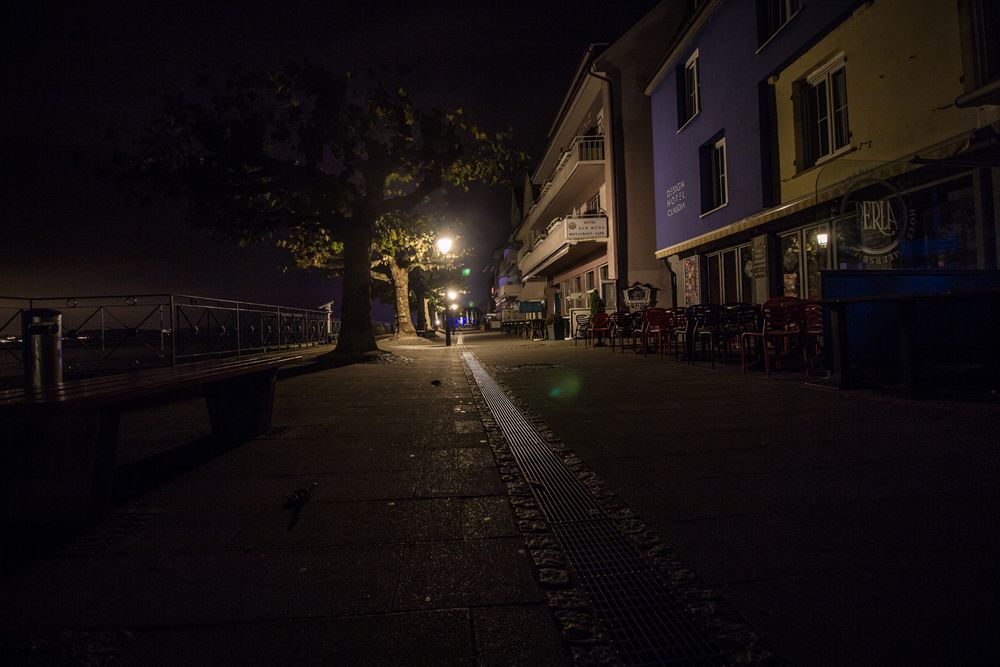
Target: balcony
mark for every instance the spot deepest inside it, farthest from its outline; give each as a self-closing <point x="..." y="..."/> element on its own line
<point x="579" y="173"/>
<point x="509" y="290"/>
<point x="565" y="241"/>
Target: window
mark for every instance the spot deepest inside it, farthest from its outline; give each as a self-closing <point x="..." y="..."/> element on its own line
<point x="730" y="275"/>
<point x="980" y="31"/>
<point x="594" y="205"/>
<point x="772" y="15"/>
<point x="590" y="280"/>
<point x="604" y="273"/>
<point x="714" y="190"/>
<point x="688" y="91"/>
<point x="823" y="108"/>
<point x="804" y="253"/>
<point x="577" y="284"/>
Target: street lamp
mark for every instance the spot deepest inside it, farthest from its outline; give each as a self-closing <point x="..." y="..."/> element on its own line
<point x="452" y="295"/>
<point x="444" y="245"/>
<point x="451" y="322"/>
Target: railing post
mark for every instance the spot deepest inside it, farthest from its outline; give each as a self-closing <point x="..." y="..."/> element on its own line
<point x="173" y="331"/>
<point x="238" y="348"/>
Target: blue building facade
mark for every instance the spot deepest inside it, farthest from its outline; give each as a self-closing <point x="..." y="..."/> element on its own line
<point x="729" y="47"/>
<point x="792" y="138"/>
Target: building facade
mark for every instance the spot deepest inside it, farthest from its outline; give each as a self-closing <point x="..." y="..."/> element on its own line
<point x="796" y="136"/>
<point x="590" y="226"/>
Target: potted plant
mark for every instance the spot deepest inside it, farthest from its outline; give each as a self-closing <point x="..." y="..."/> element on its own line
<point x="596" y="303"/>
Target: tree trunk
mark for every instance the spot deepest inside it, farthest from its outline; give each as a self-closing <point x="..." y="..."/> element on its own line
<point x="401" y="283"/>
<point x="425" y="306"/>
<point x="419" y="301"/>
<point x="357" y="335"/>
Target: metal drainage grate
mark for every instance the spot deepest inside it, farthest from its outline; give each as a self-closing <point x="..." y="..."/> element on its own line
<point x="647" y="624"/>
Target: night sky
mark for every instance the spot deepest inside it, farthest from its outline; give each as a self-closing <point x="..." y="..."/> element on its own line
<point x="73" y="72"/>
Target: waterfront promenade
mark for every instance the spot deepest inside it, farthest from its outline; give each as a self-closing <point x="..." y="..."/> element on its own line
<point x="381" y="522"/>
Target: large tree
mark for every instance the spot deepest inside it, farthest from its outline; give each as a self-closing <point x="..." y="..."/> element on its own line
<point x="406" y="243"/>
<point x="312" y="160"/>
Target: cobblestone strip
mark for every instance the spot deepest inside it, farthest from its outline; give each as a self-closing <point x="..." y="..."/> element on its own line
<point x="738" y="641"/>
<point x="571" y="608"/>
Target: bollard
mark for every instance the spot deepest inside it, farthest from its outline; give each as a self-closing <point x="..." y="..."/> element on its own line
<point x="41" y="331"/>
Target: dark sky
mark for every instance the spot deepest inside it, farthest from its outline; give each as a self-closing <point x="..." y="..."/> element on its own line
<point x="74" y="71"/>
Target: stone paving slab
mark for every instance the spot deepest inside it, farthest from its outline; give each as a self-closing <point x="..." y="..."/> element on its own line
<point x="404" y="551"/>
<point x="846" y="527"/>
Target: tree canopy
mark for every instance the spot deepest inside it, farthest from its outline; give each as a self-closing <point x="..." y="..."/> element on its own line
<point x="312" y="161"/>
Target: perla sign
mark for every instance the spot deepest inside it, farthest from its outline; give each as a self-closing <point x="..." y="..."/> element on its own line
<point x="873" y="220"/>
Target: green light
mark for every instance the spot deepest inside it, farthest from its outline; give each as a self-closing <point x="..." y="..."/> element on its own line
<point x="466" y="272"/>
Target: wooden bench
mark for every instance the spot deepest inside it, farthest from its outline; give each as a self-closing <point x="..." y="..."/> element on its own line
<point x="57" y="459"/>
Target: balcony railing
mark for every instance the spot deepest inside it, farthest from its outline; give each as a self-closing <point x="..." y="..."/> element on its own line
<point x="509" y="290"/>
<point x="564" y="231"/>
<point x="582" y="150"/>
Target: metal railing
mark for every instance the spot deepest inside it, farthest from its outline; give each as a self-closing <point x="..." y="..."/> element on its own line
<point x="588" y="148"/>
<point x="129" y="332"/>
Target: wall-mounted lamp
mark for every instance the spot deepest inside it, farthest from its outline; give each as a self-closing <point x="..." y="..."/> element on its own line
<point x="822" y="239"/>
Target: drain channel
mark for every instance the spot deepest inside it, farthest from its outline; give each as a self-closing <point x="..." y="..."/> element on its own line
<point x="647" y="624"/>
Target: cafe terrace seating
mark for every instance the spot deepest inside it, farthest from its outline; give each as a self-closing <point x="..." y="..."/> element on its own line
<point x="782" y="326"/>
<point x="654" y="329"/>
<point x="812" y="334"/>
<point x="600" y="328"/>
<point x="623" y="325"/>
<point x="582" y="331"/>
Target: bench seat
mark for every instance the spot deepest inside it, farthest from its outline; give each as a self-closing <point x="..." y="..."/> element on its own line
<point x="57" y="459"/>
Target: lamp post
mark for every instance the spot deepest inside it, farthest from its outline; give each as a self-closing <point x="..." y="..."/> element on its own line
<point x="444" y="245"/>
<point x="452" y="295"/>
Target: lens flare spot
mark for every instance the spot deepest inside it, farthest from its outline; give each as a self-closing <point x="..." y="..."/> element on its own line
<point x="567" y="388"/>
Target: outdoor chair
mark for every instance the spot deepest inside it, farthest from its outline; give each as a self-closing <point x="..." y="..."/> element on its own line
<point x="739" y="318"/>
<point x="654" y="329"/>
<point x="812" y="335"/>
<point x="582" y="331"/>
<point x="705" y="326"/>
<point x="600" y="327"/>
<point x="622" y="327"/>
<point x="782" y="326"/>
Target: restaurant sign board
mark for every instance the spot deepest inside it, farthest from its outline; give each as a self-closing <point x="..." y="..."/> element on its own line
<point x="586" y="227"/>
<point x="871" y="221"/>
<point x="640" y="295"/>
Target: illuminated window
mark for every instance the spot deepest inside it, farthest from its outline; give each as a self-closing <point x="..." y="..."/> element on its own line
<point x="688" y="91"/>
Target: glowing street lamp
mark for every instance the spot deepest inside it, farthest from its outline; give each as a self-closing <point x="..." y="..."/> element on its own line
<point x="444" y="245"/>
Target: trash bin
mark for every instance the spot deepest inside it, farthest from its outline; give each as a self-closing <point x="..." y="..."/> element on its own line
<point x="42" y="335"/>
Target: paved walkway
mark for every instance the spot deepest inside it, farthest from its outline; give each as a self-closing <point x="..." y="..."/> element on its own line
<point x="846" y="528"/>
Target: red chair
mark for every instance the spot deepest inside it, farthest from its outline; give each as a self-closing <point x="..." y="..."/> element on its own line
<point x="782" y="326"/>
<point x="600" y="326"/>
<point x="812" y="334"/>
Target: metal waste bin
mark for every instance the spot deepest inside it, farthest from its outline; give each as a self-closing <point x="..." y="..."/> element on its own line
<point x="41" y="331"/>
